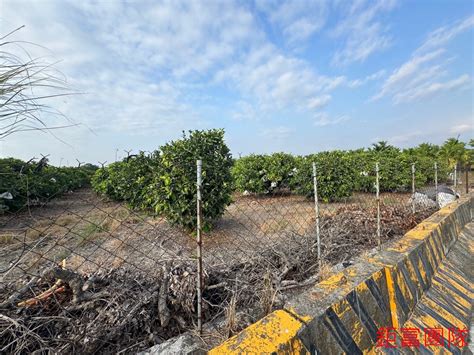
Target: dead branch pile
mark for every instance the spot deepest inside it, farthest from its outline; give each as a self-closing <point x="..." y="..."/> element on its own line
<point x="105" y="312"/>
<point x="350" y="229"/>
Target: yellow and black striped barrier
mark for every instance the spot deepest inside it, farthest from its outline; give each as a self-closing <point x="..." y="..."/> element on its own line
<point x="421" y="281"/>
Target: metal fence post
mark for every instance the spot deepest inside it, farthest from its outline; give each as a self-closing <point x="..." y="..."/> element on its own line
<point x="377" y="197"/>
<point x="436" y="182"/>
<point x="413" y="188"/>
<point x="316" y="210"/>
<point x="468" y="168"/>
<point x="199" y="245"/>
<point x="455" y="176"/>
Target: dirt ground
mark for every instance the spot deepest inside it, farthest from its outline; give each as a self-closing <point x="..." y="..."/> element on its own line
<point x="90" y="233"/>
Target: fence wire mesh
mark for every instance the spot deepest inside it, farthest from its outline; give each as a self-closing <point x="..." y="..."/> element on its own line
<point x="79" y="273"/>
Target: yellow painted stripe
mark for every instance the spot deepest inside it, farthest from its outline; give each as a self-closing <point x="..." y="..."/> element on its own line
<point x="276" y="333"/>
<point x="421" y="269"/>
<point x="429" y="322"/>
<point x="351" y="322"/>
<point x="391" y="297"/>
<point x="402" y="285"/>
<point x="414" y="280"/>
<point x="429" y="256"/>
<point x="471" y="245"/>
<point x="443" y="313"/>
<point x="452" y="294"/>
<point x="431" y="241"/>
<point x="460" y="286"/>
<point x="438" y="238"/>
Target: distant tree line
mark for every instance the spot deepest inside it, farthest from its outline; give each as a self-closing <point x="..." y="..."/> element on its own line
<point x="164" y="181"/>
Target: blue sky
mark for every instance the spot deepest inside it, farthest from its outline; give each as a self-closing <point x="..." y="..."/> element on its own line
<point x="296" y="76"/>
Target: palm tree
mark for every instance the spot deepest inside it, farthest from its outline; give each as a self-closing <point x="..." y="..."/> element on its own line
<point x="428" y="150"/>
<point x="382" y="146"/>
<point x="454" y="151"/>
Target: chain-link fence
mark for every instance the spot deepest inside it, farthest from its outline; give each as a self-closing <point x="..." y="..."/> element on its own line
<point x="84" y="274"/>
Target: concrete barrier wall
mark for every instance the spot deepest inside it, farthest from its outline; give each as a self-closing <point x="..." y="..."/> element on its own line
<point x="343" y="313"/>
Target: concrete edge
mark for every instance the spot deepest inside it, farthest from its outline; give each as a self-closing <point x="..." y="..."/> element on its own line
<point x="343" y="312"/>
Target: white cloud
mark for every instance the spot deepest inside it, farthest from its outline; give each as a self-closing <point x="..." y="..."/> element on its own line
<point x="359" y="82"/>
<point x="137" y="65"/>
<point x="277" y="133"/>
<point x="323" y="119"/>
<point x="318" y="102"/>
<point x="404" y="74"/>
<point x="155" y="68"/>
<point x="443" y="35"/>
<point x="467" y="127"/>
<point x="431" y="88"/>
<point x="278" y="81"/>
<point x="298" y="20"/>
<point x="402" y="138"/>
<point x="183" y="37"/>
<point x="146" y="69"/>
<point x="438" y="132"/>
<point x="421" y="76"/>
<point x="363" y="30"/>
<point x="245" y="111"/>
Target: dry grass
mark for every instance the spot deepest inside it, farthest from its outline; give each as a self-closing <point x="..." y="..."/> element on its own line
<point x="7" y="238"/>
<point x="325" y="271"/>
<point x="231" y="317"/>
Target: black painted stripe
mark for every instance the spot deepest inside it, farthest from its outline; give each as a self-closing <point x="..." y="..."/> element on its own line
<point x="450" y="278"/>
<point x="454" y="269"/>
<point x="417" y="271"/>
<point x="401" y="300"/>
<point x="446" y="284"/>
<point x="455" y="303"/>
<point x="389" y="351"/>
<point x="359" y="309"/>
<point x="455" y="278"/>
<point x="444" y="323"/>
<point x="377" y="294"/>
<point x="426" y="266"/>
<point x="411" y="286"/>
<point x="433" y="256"/>
<point x="445" y="342"/>
<point x="438" y="244"/>
<point x="448" y="308"/>
<point x="456" y="266"/>
<point x="313" y="350"/>
<point x="423" y="350"/>
<point x="340" y="332"/>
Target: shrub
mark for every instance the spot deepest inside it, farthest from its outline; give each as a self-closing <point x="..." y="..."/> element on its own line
<point x="335" y="175"/>
<point x="248" y="174"/>
<point x="138" y="174"/>
<point x="174" y="188"/>
<point x="110" y="181"/>
<point x="363" y="163"/>
<point x="30" y="181"/>
<point x="100" y="182"/>
<point x="279" y="168"/>
<point x="263" y="173"/>
<point x="394" y="169"/>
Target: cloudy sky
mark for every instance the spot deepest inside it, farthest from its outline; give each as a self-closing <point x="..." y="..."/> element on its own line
<point x="297" y="76"/>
